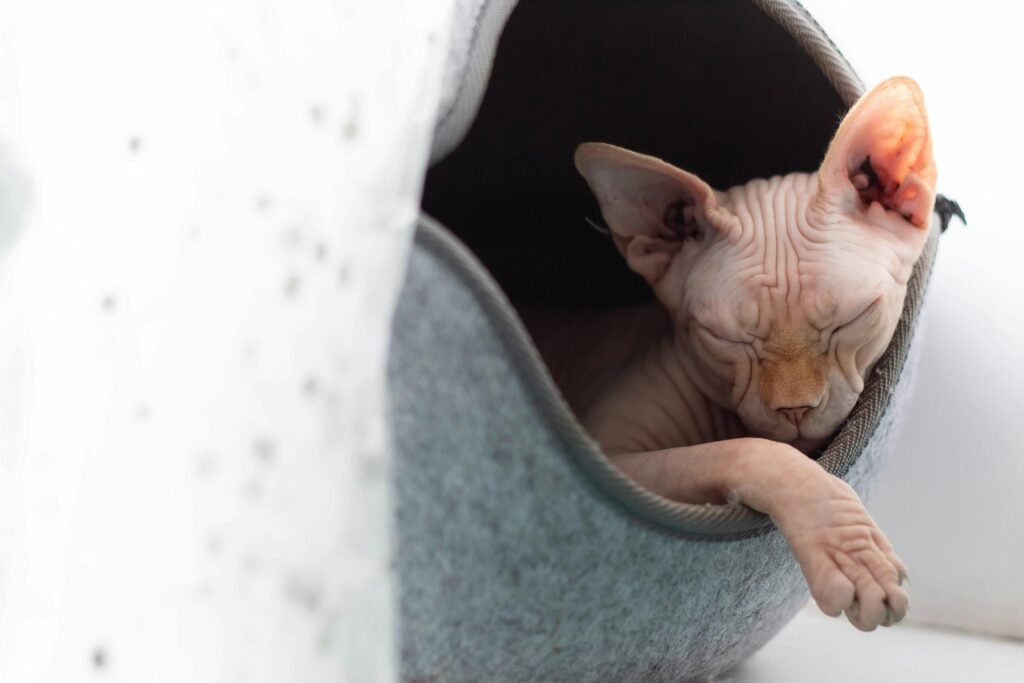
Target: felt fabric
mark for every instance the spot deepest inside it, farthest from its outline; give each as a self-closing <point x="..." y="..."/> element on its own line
<point x="522" y="553"/>
<point x="514" y="563"/>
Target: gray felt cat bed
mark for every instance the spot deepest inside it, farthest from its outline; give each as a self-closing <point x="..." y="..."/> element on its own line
<point x="523" y="554"/>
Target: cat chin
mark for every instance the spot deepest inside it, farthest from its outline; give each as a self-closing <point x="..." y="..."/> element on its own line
<point x="786" y="433"/>
<point x="805" y="440"/>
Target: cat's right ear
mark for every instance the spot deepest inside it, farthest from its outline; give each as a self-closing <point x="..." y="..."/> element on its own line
<point x="651" y="206"/>
<point x="882" y="153"/>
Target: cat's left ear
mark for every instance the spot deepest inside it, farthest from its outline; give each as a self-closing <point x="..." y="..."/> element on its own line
<point x="651" y="206"/>
<point x="882" y="153"/>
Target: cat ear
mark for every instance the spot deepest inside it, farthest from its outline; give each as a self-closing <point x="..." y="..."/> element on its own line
<point x="882" y="153"/>
<point x="651" y="206"/>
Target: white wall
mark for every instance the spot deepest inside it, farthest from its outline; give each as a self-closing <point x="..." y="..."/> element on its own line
<point x="194" y="473"/>
<point x="951" y="499"/>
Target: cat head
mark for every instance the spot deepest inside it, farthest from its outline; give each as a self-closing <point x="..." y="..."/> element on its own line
<point x="783" y="292"/>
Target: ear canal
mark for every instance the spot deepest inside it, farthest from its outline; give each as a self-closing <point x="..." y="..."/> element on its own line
<point x="882" y="153"/>
<point x="651" y="207"/>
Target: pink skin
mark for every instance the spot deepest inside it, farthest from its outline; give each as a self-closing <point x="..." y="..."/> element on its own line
<point x="776" y="299"/>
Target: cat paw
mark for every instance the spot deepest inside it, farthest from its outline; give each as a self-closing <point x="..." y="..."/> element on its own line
<point x="849" y="564"/>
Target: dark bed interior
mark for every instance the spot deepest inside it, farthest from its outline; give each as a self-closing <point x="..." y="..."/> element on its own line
<point x="715" y="87"/>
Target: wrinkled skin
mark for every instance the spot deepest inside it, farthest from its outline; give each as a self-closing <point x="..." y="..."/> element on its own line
<point x="775" y="300"/>
<point x="786" y="313"/>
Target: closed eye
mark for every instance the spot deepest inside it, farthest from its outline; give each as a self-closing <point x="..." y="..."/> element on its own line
<point x="861" y="317"/>
<point x="706" y="332"/>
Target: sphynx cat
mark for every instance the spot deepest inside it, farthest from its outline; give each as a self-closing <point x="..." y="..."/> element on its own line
<point x="774" y="301"/>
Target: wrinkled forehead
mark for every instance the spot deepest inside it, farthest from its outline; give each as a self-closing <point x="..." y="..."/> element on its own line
<point x="817" y="293"/>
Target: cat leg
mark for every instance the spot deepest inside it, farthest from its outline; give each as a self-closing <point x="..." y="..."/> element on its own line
<point x="849" y="564"/>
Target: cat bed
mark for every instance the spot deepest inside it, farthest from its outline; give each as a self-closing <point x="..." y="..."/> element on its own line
<point x="523" y="554"/>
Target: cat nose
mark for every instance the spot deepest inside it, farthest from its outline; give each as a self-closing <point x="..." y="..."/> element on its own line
<point x="796" y="415"/>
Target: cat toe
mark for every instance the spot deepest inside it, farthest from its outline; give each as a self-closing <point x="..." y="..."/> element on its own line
<point x="834" y="593"/>
<point x="869" y="610"/>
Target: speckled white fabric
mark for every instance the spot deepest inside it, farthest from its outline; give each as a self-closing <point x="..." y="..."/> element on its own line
<point x="205" y="209"/>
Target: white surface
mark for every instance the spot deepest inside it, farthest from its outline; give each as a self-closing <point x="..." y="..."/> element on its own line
<point x="951" y="498"/>
<point x="194" y="474"/>
<point x="815" y="649"/>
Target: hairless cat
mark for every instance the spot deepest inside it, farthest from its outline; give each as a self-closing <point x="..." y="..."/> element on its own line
<point x="774" y="301"/>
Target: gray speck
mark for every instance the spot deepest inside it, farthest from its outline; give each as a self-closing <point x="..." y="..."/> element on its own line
<point x="263" y="203"/>
<point x="326" y="639"/>
<point x="303" y="592"/>
<point x="344" y="275"/>
<point x="311" y="387"/>
<point x="350" y="129"/>
<point x="333" y="401"/>
<point x="250" y="351"/>
<point x="292" y="285"/>
<point x="320" y="252"/>
<point x="264" y="449"/>
<point x="253" y="489"/>
<point x="135" y="144"/>
<point x="142" y="412"/>
<point x="293" y="238"/>
<point x="99" y="658"/>
<point x="316" y="114"/>
<point x="214" y="545"/>
<point x="206" y="465"/>
<point x="109" y="303"/>
<point x="251" y="564"/>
